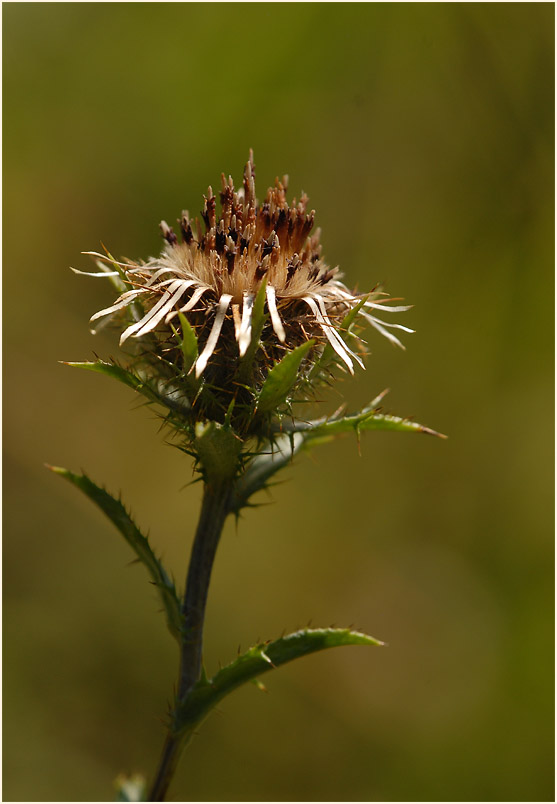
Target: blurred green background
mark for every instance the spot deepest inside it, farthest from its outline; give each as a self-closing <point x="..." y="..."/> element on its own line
<point x="423" y="134"/>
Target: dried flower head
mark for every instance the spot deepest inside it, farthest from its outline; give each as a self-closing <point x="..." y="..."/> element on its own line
<point x="223" y="304"/>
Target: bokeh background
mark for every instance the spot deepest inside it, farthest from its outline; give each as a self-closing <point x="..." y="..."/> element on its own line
<point x="423" y="134"/>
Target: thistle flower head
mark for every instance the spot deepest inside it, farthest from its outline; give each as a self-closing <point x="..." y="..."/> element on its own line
<point x="234" y="296"/>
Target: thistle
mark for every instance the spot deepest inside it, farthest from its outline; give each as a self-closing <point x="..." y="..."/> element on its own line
<point x="236" y="324"/>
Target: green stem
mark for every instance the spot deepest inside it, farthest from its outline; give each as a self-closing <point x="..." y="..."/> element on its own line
<point x="214" y="510"/>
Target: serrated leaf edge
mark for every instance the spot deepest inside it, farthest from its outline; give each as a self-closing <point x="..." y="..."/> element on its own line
<point x="114" y="509"/>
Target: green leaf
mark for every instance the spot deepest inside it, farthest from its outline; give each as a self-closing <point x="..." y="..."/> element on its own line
<point x="139" y="543"/>
<point x="256" y="661"/>
<point x="366" y="420"/>
<point x="170" y="396"/>
<point x="188" y="343"/>
<point x="122" y="375"/>
<point x="295" y="436"/>
<point x="281" y="378"/>
<point x="189" y="348"/>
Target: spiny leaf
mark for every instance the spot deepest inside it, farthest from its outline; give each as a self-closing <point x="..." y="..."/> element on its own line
<point x="281" y="378"/>
<point x="256" y="661"/>
<point x="121" y="374"/>
<point x="366" y="420"/>
<point x="297" y="435"/>
<point x="170" y="397"/>
<point x="139" y="543"/>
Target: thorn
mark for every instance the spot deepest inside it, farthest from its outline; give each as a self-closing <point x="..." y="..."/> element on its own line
<point x="375" y="402"/>
<point x="266" y="658"/>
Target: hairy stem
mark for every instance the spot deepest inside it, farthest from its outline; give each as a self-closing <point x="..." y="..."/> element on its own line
<point x="214" y="510"/>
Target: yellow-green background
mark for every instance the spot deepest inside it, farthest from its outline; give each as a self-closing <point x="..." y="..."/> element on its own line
<point x="423" y="134"/>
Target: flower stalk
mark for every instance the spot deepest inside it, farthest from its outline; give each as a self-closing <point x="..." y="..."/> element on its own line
<point x="229" y="331"/>
<point x="215" y="508"/>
